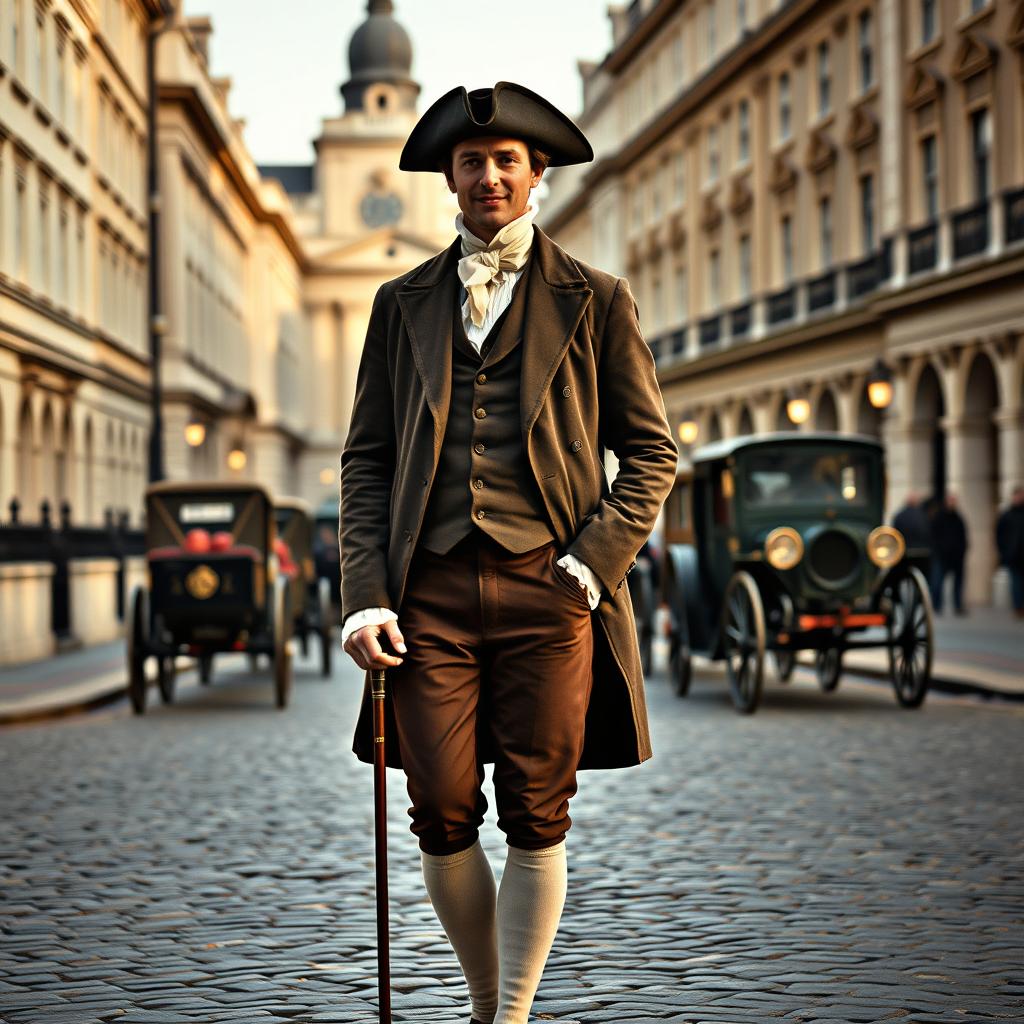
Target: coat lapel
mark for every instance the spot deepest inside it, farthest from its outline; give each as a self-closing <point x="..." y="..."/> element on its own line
<point x="557" y="299"/>
<point x="426" y="302"/>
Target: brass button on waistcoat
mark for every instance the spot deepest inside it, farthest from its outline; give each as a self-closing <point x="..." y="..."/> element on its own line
<point x="481" y="378"/>
<point x="478" y="484"/>
<point x="480" y="413"/>
<point x="566" y="391"/>
<point x="479" y="448"/>
<point x="480" y="513"/>
<point x="576" y="445"/>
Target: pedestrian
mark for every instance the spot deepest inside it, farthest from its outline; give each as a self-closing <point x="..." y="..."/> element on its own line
<point x="1010" y="543"/>
<point x="481" y="540"/>
<point x="949" y="537"/>
<point x="912" y="522"/>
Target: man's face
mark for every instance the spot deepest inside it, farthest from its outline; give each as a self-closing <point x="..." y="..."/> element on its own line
<point x="492" y="178"/>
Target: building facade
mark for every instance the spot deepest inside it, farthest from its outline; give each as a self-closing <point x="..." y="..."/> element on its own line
<point x="799" y="189"/>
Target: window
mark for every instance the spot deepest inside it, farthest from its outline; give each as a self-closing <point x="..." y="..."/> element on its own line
<point x="63" y="257"/>
<point x="62" y="77"/>
<point x="824" y="80"/>
<point x="743" y="125"/>
<point x="713" y="155"/>
<point x="712" y="26"/>
<point x="16" y="33"/>
<point x="44" y="241"/>
<point x="867" y="213"/>
<point x="786" y="233"/>
<point x="657" y="301"/>
<point x="785" y="107"/>
<point x="866" y="51"/>
<point x="40" y="58"/>
<point x="746" y="285"/>
<point x="825" y="231"/>
<point x="930" y="176"/>
<point x="981" y="151"/>
<point x="714" y="280"/>
<point x="678" y="58"/>
<point x="927" y="21"/>
<point x="679" y="177"/>
<point x="741" y="14"/>
<point x="682" y="299"/>
<point x="658" y="181"/>
<point x="637" y="216"/>
<point x="977" y="5"/>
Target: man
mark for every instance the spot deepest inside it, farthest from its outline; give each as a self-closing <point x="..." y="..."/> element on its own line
<point x="912" y="522"/>
<point x="481" y="540"/>
<point x="949" y="548"/>
<point x="1010" y="542"/>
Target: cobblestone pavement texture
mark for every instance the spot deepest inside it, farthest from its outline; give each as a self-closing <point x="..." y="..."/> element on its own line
<point x="831" y="858"/>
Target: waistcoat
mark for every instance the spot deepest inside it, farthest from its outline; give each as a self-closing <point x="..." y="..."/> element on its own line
<point x="483" y="477"/>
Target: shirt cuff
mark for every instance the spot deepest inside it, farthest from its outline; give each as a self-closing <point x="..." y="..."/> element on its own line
<point x="585" y="575"/>
<point x="365" y="617"/>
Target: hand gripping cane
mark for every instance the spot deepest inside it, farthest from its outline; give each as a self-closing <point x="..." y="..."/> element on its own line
<point x="380" y="829"/>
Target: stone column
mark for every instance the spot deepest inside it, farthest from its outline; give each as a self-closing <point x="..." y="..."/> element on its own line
<point x="1010" y="425"/>
<point x="325" y="377"/>
<point x="970" y="478"/>
<point x="350" y="349"/>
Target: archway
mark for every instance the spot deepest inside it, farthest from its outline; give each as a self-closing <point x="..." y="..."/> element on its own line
<point x="48" y="461"/>
<point x="869" y="419"/>
<point x="714" y="427"/>
<point x="27" y="493"/>
<point x="746" y="420"/>
<point x="827" y="417"/>
<point x="88" y="514"/>
<point x="781" y="420"/>
<point x="928" y="443"/>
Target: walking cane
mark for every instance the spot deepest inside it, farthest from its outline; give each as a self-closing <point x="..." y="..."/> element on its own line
<point x="380" y="823"/>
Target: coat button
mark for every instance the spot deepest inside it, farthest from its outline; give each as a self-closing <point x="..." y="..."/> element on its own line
<point x="480" y="513"/>
<point x="481" y="378"/>
<point x="576" y="445"/>
<point x="479" y="448"/>
<point x="480" y="413"/>
<point x="566" y="391"/>
<point x="408" y="536"/>
<point x="478" y="484"/>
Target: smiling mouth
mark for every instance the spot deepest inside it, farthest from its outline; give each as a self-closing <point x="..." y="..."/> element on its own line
<point x="490" y="200"/>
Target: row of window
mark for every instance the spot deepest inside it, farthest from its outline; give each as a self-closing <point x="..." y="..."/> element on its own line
<point x="122" y="151"/>
<point x="123" y="291"/>
<point x="928" y="17"/>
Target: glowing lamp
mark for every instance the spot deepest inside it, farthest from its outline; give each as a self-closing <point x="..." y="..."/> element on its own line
<point x="880" y="385"/>
<point x="327" y="476"/>
<point x="195" y="434"/>
<point x="798" y="409"/>
<point x="688" y="429"/>
<point x="237" y="459"/>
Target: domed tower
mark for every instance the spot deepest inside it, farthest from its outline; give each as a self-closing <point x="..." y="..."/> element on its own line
<point x="380" y="63"/>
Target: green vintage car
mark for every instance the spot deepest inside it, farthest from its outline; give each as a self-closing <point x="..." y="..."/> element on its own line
<point x="214" y="585"/>
<point x="776" y="542"/>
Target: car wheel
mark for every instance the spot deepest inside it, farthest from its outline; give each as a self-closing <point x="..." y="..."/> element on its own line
<point x="166" y="678"/>
<point x="681" y="670"/>
<point x="138" y="637"/>
<point x="828" y="665"/>
<point x="205" y="669"/>
<point x="743" y="641"/>
<point x="911" y="637"/>
<point x="282" y="643"/>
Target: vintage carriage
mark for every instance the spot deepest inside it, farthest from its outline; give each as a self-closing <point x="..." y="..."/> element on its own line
<point x="309" y="593"/>
<point x="214" y="585"/>
<point x="776" y="542"/>
<point x="326" y="554"/>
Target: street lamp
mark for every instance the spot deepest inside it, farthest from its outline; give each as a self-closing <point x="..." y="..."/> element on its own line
<point x="237" y="459"/>
<point x="195" y="434"/>
<point x="688" y="428"/>
<point x="880" y="385"/>
<point x="327" y="476"/>
<point x="797" y="408"/>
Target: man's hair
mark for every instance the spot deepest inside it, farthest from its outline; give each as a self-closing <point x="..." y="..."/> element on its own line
<point x="539" y="161"/>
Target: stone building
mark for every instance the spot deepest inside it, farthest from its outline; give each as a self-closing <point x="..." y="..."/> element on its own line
<point x="361" y="222"/>
<point x="799" y="189"/>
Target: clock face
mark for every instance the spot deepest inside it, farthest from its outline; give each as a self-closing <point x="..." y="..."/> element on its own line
<point x="379" y="209"/>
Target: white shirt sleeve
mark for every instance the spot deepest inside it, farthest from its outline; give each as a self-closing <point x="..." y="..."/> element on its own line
<point x="365" y="617"/>
<point x="586" y="577"/>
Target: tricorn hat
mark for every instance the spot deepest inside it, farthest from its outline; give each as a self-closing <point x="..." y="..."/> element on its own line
<point x="506" y="110"/>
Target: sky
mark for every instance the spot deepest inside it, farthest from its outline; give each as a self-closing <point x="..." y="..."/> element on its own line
<point x="287" y="61"/>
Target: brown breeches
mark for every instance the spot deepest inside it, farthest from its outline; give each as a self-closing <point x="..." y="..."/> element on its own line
<point x="499" y="657"/>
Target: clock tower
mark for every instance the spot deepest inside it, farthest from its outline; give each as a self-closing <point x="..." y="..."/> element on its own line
<point x="362" y="222"/>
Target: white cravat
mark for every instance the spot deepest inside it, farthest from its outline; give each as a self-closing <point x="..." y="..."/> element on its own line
<point x="489" y="272"/>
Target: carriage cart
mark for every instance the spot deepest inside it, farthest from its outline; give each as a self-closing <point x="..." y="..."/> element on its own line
<point x="214" y="585"/>
<point x="775" y="542"/>
<point x="326" y="553"/>
<point x="310" y="594"/>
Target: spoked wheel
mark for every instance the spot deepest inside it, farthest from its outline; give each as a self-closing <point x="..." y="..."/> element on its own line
<point x="282" y="646"/>
<point x="323" y="600"/>
<point x="138" y="636"/>
<point x="785" y="662"/>
<point x="166" y="678"/>
<point x="681" y="669"/>
<point x="828" y="666"/>
<point x="743" y="639"/>
<point x="205" y="669"/>
<point x="911" y="638"/>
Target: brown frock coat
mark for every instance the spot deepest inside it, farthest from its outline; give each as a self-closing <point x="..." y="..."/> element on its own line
<point x="587" y="385"/>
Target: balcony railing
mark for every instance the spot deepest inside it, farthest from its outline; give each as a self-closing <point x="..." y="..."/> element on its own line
<point x="868" y="274"/>
<point x="1014" y="209"/>
<point x="970" y="230"/>
<point x="782" y="305"/>
<point x="739" y="321"/>
<point x="923" y="248"/>
<point x="678" y="343"/>
<point x="710" y="330"/>
<point x="821" y="292"/>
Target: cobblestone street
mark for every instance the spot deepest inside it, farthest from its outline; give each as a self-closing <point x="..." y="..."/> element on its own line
<point x="830" y="858"/>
